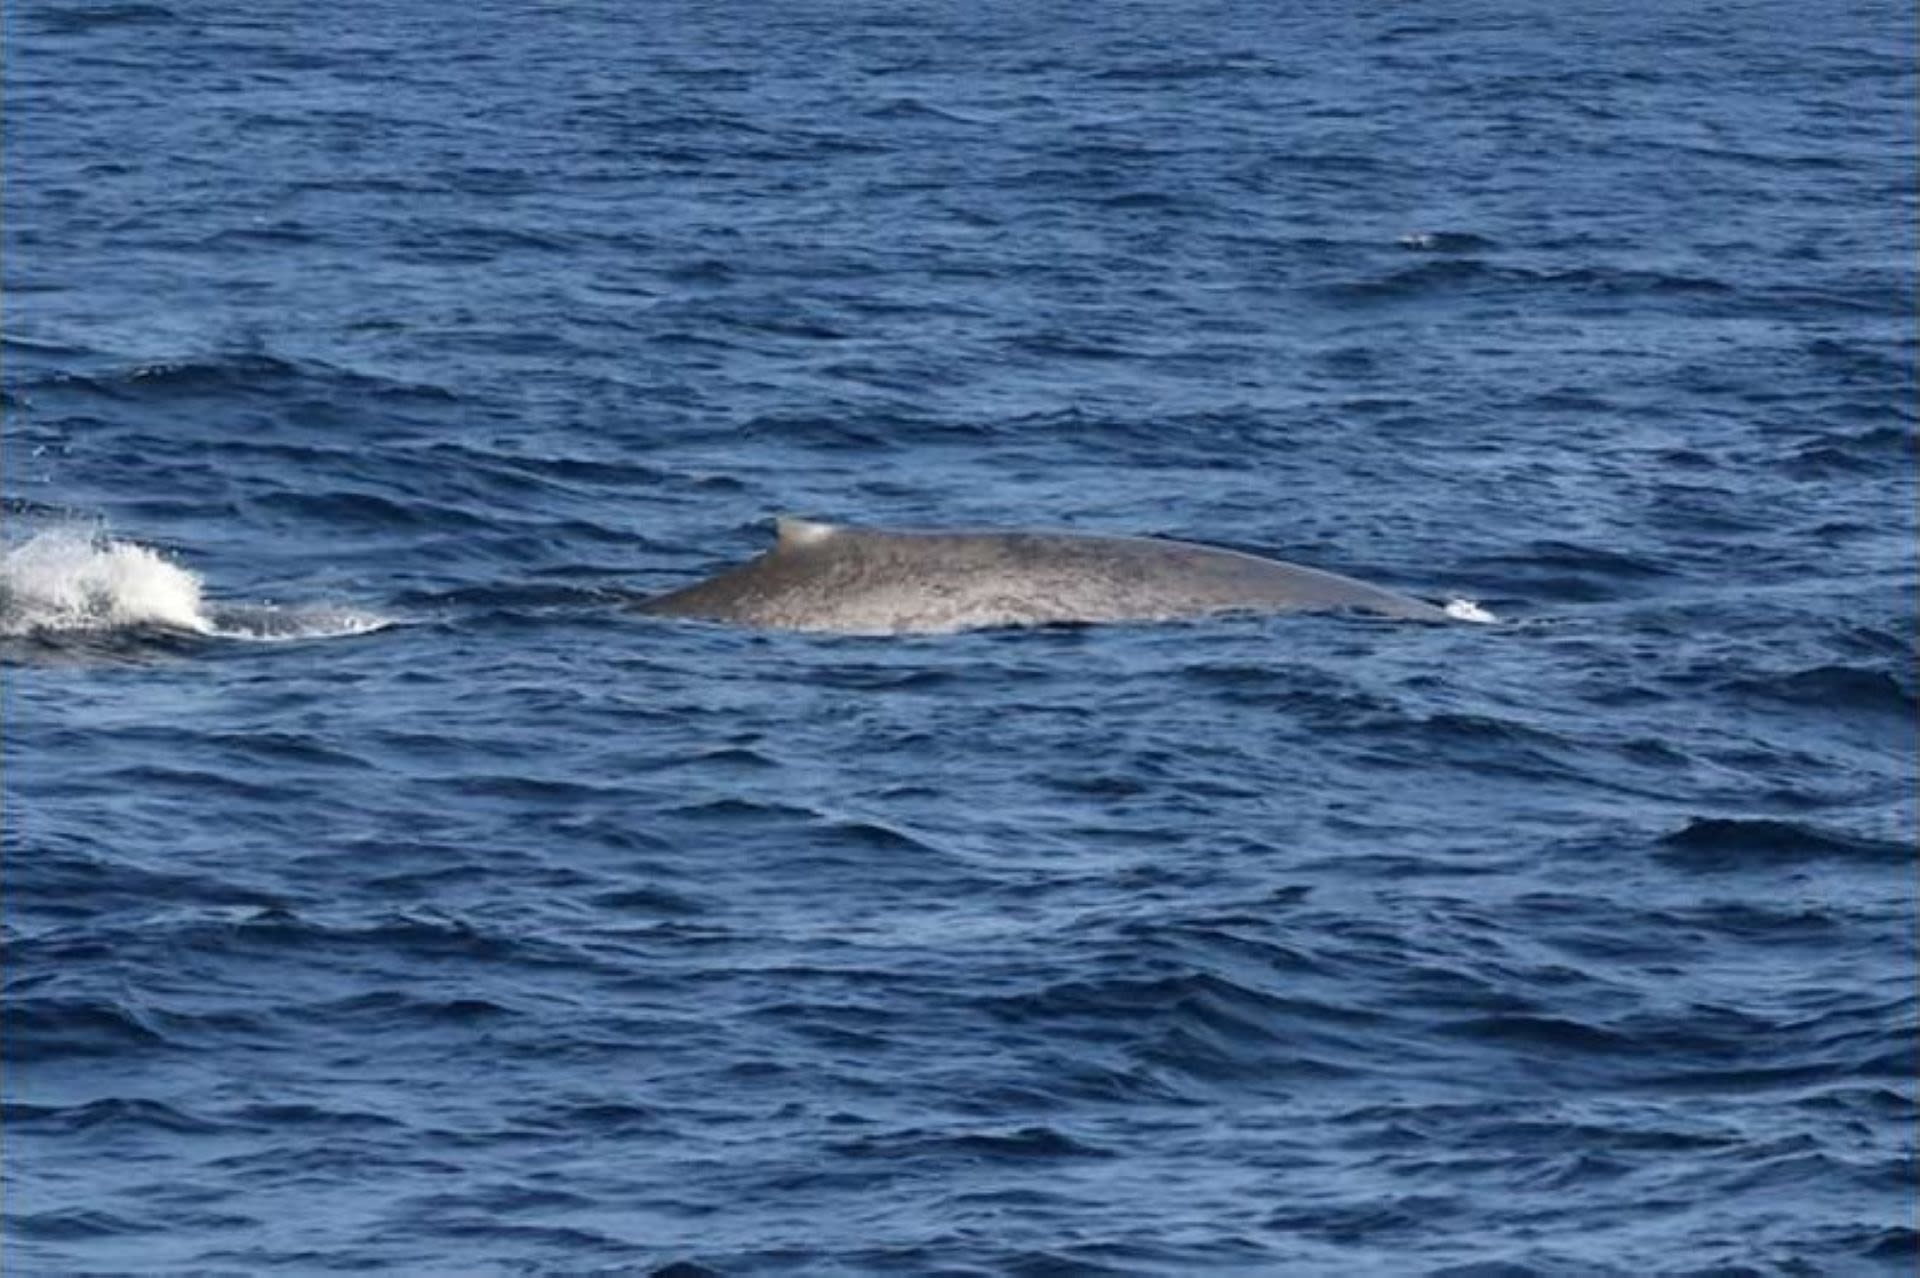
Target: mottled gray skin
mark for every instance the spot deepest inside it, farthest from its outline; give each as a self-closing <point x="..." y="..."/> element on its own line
<point x="861" y="581"/>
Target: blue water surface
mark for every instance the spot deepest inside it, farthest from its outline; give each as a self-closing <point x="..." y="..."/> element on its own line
<point x="382" y="895"/>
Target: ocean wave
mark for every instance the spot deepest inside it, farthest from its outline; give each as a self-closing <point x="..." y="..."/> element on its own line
<point x="61" y="1027"/>
<point x="209" y="375"/>
<point x="82" y="19"/>
<point x="1842" y="688"/>
<point x="1724" y="843"/>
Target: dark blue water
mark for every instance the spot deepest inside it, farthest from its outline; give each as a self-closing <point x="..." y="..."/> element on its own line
<point x="381" y="896"/>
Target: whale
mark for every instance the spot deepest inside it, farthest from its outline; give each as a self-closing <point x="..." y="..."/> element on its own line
<point x="836" y="579"/>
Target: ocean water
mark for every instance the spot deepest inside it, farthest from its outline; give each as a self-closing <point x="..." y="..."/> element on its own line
<point x="382" y="895"/>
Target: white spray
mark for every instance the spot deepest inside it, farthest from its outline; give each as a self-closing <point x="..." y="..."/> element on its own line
<point x="77" y="579"/>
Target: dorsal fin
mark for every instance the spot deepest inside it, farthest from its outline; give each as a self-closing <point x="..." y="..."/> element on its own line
<point x="793" y="533"/>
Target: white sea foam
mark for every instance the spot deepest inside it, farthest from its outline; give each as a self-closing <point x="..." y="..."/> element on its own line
<point x="1468" y="610"/>
<point x="76" y="579"/>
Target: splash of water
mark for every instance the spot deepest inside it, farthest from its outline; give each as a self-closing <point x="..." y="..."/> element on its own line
<point x="70" y="580"/>
<point x="74" y="580"/>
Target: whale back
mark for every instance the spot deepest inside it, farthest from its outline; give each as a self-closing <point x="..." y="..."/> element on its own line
<point x="827" y="577"/>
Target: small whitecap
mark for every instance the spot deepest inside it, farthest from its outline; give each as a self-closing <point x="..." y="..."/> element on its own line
<point x="1468" y="610"/>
